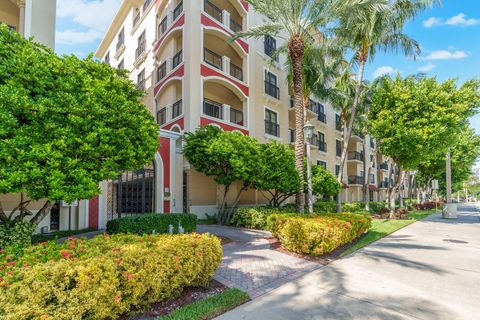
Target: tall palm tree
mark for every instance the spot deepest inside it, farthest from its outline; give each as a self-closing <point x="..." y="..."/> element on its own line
<point x="368" y="31"/>
<point x="294" y="21"/>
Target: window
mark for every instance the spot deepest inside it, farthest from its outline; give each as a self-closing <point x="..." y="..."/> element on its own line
<point x="141" y="80"/>
<point x="338" y="122"/>
<point x="337" y="169"/>
<point x="141" y="46"/>
<point x="121" y="65"/>
<point x="371" y="195"/>
<point x="271" y="87"/>
<point x="372" y="178"/>
<point x="322" y="145"/>
<point x="107" y="58"/>
<point x="322" y="164"/>
<point x="372" y="143"/>
<point x="146" y="4"/>
<point x="271" y="123"/>
<point x="338" y="148"/>
<point x="136" y="16"/>
<point x="270" y="46"/>
<point x="322" y="117"/>
<point x="120" y="38"/>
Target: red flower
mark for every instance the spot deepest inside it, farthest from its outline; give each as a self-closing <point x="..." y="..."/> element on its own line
<point x="178" y="267"/>
<point x="2" y="251"/>
<point x="11" y="263"/>
<point x="65" y="254"/>
<point x="9" y="273"/>
<point x="119" y="261"/>
<point x="129" y="276"/>
<point x="118" y="297"/>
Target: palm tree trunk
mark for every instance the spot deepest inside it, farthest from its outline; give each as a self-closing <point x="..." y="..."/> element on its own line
<point x="296" y="51"/>
<point x="348" y="131"/>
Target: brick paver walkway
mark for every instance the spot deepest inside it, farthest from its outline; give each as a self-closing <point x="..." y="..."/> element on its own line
<point x="249" y="264"/>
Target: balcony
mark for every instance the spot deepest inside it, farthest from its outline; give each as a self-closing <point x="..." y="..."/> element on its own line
<point x="356" y="180"/>
<point x="170" y="20"/>
<point x="170" y="113"/>
<point x="140" y="85"/>
<point x="223" y="17"/>
<point x="177" y="11"/>
<point x="222" y="63"/>
<point x="383" y="166"/>
<point x="272" y="128"/>
<point x="292" y="135"/>
<point x="146" y="4"/>
<point x="383" y="185"/>
<point x="355" y="156"/>
<point x="163" y="70"/>
<point x="222" y="112"/>
<point x="357" y="134"/>
<point x="272" y="90"/>
<point x="177" y="59"/>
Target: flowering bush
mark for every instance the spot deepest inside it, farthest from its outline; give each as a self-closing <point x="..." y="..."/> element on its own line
<point x="153" y="223"/>
<point x="255" y="218"/>
<point x="317" y="234"/>
<point x="426" y="206"/>
<point x="103" y="277"/>
<point x="16" y="233"/>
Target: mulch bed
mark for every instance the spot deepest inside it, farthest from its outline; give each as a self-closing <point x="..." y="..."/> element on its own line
<point x="323" y="260"/>
<point x="188" y="295"/>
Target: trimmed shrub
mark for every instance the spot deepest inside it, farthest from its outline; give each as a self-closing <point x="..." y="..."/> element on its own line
<point x="256" y="217"/>
<point x="153" y="223"/>
<point x="317" y="234"/>
<point x="425" y="206"/>
<point x="17" y="233"/>
<point x="104" y="277"/>
<point x="375" y="206"/>
<point x="325" y="207"/>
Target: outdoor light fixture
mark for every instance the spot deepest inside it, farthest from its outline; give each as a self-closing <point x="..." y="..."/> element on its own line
<point x="308" y="130"/>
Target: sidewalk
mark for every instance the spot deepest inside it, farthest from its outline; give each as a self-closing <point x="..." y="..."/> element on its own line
<point x="428" y="270"/>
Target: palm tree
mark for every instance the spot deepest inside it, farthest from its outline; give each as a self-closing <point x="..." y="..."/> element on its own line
<point x="368" y="31"/>
<point x="297" y="22"/>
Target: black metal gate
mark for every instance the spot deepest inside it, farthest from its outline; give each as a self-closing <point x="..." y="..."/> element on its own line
<point x="132" y="193"/>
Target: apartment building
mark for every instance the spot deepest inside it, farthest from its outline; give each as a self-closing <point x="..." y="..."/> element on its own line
<point x="31" y="18"/>
<point x="179" y="53"/>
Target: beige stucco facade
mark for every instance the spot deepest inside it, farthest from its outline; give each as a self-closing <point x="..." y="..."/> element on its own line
<point x="179" y="53"/>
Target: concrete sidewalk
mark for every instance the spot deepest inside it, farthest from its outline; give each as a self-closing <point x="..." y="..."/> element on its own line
<point x="428" y="270"/>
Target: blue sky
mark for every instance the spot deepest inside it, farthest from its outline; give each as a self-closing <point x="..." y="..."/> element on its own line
<point x="449" y="35"/>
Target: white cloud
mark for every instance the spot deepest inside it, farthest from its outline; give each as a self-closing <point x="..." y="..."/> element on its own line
<point x="426" y="68"/>
<point x="446" y="55"/>
<point x="458" y="20"/>
<point x="94" y="16"/>
<point x="77" y="37"/>
<point x="385" y="70"/>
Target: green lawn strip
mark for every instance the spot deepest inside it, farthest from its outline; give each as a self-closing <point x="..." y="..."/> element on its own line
<point x="210" y="307"/>
<point x="382" y="228"/>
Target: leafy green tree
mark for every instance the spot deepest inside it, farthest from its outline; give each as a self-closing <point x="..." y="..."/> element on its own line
<point x="324" y="183"/>
<point x="276" y="174"/>
<point x="366" y="31"/>
<point x="418" y="118"/>
<point x="65" y="125"/>
<point x="227" y="157"/>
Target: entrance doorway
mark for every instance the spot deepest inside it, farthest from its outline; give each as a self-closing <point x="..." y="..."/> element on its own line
<point x="55" y="217"/>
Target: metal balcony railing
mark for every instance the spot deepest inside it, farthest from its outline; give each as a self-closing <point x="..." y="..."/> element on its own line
<point x="162" y="27"/>
<point x="177" y="59"/>
<point x="213" y="58"/>
<point x="140" y="49"/>
<point x="162" y="71"/>
<point x="177" y="11"/>
<point x="177" y="109"/>
<point x="236" y="72"/>
<point x="383" y="166"/>
<point x="212" y="109"/>
<point x="214" y="11"/>
<point x="162" y="116"/>
<point x="356" y="180"/>
<point x="355" y="155"/>
<point x="236" y="116"/>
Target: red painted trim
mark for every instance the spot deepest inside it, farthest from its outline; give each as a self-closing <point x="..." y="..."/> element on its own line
<point x="205" y="122"/>
<point x="208" y="71"/>
<point x="179" y="23"/>
<point x="179" y="72"/>
<point x="93" y="212"/>
<point x="245" y="4"/>
<point x="164" y="151"/>
<point x="180" y="122"/>
<point x="206" y="21"/>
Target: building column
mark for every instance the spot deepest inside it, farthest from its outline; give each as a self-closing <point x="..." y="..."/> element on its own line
<point x="21" y="23"/>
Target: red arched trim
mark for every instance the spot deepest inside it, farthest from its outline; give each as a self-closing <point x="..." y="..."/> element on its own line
<point x="207" y="71"/>
<point x="245" y="4"/>
<point x="179" y="23"/>
<point x="205" y="122"/>
<point x="180" y="122"/>
<point x="179" y="72"/>
<point x="206" y="21"/>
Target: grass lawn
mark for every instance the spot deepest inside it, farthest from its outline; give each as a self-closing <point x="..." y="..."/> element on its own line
<point x="382" y="228"/>
<point x="210" y="307"/>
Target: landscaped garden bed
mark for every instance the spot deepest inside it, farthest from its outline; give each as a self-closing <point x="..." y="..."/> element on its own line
<point x="104" y="277"/>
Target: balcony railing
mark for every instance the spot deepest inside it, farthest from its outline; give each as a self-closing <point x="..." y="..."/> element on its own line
<point x="177" y="11"/>
<point x="356" y="180"/>
<point x="314" y="140"/>
<point x="213" y="59"/>
<point x="162" y="116"/>
<point x="146" y="4"/>
<point x="214" y="11"/>
<point x="140" y="49"/>
<point x="140" y="85"/>
<point x="292" y="135"/>
<point x="383" y="184"/>
<point x="322" y="146"/>
<point x="136" y="18"/>
<point x="322" y="117"/>
<point x="162" y="71"/>
<point x="236" y="117"/>
<point x="355" y="155"/>
<point x="120" y="43"/>
<point x="212" y="109"/>
<point x="272" y="90"/>
<point x="236" y="72"/>
<point x="272" y="128"/>
<point x="177" y="59"/>
<point x="383" y="166"/>
<point x="177" y="109"/>
<point x="235" y="26"/>
<point x="162" y="27"/>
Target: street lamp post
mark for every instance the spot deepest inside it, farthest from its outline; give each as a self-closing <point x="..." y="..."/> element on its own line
<point x="308" y="133"/>
<point x="450" y="209"/>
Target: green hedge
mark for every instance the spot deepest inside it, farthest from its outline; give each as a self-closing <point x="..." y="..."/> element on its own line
<point x="256" y="217"/>
<point x="153" y="223"/>
<point x="317" y="234"/>
<point x="325" y="206"/>
<point x="16" y="233"/>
